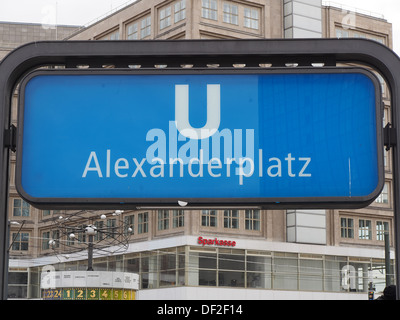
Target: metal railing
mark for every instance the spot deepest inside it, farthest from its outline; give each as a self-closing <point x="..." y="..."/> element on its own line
<point x="353" y="9"/>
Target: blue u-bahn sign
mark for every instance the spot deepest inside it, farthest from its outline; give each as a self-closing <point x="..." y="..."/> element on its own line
<point x="303" y="138"/>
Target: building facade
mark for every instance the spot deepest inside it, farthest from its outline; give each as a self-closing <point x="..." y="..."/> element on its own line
<point x="233" y="253"/>
<point x="13" y="35"/>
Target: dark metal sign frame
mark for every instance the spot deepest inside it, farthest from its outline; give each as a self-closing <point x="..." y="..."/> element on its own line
<point x="199" y="53"/>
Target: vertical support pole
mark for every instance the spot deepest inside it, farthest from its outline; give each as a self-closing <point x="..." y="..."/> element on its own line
<point x="6" y="262"/>
<point x="90" y="254"/>
<point x="396" y="194"/>
<point x="5" y="102"/>
<point x="388" y="270"/>
<point x="396" y="186"/>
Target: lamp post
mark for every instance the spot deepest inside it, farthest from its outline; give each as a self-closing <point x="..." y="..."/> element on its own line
<point x="387" y="260"/>
<point x="90" y="232"/>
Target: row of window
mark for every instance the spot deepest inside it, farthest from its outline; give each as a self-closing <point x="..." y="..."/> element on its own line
<point x="209" y="217"/>
<point x="171" y="219"/>
<point x="107" y="229"/>
<point x="179" y="9"/>
<point x="349" y="229"/>
<point x="231" y="219"/>
<point x="176" y="12"/>
<point x="22" y="209"/>
<point x="221" y="267"/>
<point x="349" y="33"/>
<point x="209" y="10"/>
<point x="166" y="219"/>
<point x="142" y="29"/>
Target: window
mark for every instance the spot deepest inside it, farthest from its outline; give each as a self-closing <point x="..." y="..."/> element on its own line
<point x="359" y="35"/>
<point x="145" y="28"/>
<point x="167" y="266"/>
<point x="285" y="268"/>
<point x="350" y="33"/>
<point x="21" y="208"/>
<point x="251" y="18"/>
<point x="180" y="10"/>
<point x="383" y="87"/>
<point x="111" y="226"/>
<point x="231" y="219"/>
<point x="114" y="35"/>
<point x="56" y="236"/>
<point x="381" y="229"/>
<point x="149" y="264"/>
<point x="231" y="13"/>
<point x="340" y="33"/>
<point x="46" y="213"/>
<point x="386" y="159"/>
<point x="364" y="230"/>
<point x="111" y="36"/>
<point x="384" y="196"/>
<point x="178" y="218"/>
<point x="231" y="270"/>
<point x="20" y="241"/>
<point x="203" y="268"/>
<point x="129" y="222"/>
<point x="45" y="240"/>
<point x="252" y="220"/>
<point x="259" y="271"/>
<point x="81" y="233"/>
<point x="209" y="218"/>
<point x="99" y="234"/>
<point x="378" y="39"/>
<point x="18" y="285"/>
<point x="165" y="18"/>
<point x="163" y="219"/>
<point x="347" y="228"/>
<point x="132" y="32"/>
<point x="143" y="222"/>
<point x="209" y="9"/>
<point x="70" y="240"/>
<point x="311" y="274"/>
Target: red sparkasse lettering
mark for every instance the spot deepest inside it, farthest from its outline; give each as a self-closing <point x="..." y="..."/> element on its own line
<point x="215" y="242"/>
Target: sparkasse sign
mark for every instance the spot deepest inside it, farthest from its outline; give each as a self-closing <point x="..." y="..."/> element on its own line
<point x="206" y="138"/>
<point x="216" y="242"/>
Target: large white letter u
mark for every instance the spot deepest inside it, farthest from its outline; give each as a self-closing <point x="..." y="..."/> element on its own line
<point x="213" y="112"/>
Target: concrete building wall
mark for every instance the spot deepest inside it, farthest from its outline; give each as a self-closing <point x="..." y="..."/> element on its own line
<point x="303" y="19"/>
<point x="248" y="19"/>
<point x="13" y="35"/>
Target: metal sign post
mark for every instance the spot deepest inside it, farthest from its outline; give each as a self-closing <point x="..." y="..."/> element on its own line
<point x="199" y="53"/>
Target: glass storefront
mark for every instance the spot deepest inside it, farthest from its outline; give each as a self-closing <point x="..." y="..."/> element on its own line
<point x="237" y="268"/>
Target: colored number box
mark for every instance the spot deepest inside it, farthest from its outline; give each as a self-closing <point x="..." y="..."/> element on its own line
<point x="93" y="294"/>
<point x="68" y="294"/>
<point x="117" y="294"/>
<point x="80" y="294"/>
<point x="106" y="294"/>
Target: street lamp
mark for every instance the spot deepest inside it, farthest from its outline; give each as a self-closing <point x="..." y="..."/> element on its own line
<point x="91" y="231"/>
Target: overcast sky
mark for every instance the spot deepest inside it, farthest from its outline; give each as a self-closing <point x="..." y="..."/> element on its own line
<point x="81" y="12"/>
